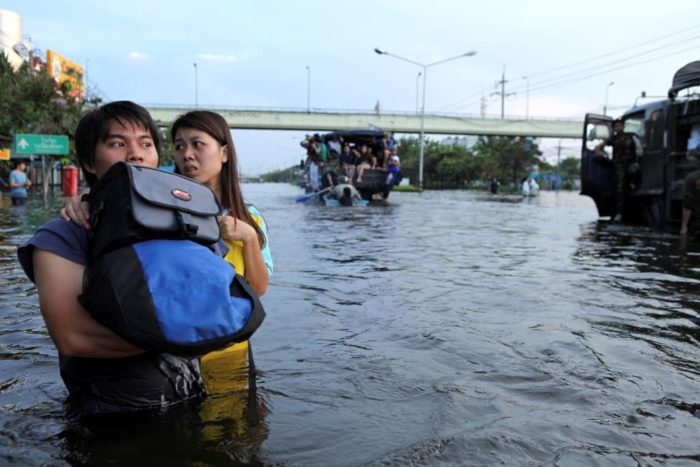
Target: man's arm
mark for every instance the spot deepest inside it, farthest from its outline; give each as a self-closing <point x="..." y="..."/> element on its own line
<point x="13" y="181"/>
<point x="74" y="332"/>
<point x="599" y="148"/>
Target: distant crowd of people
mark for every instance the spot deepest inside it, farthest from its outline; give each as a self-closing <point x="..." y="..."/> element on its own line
<point x="328" y="160"/>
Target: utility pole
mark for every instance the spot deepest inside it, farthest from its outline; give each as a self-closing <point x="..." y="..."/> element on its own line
<point x="558" y="146"/>
<point x="502" y="92"/>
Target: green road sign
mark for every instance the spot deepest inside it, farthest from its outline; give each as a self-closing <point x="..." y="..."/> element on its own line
<point x="41" y="144"/>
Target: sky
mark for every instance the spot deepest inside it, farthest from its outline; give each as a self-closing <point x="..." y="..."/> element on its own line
<point x="255" y="54"/>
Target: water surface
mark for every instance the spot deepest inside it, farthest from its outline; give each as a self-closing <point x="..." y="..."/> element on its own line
<point x="446" y="328"/>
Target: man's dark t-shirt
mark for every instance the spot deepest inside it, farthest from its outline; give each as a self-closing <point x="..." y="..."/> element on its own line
<point x="112" y="385"/>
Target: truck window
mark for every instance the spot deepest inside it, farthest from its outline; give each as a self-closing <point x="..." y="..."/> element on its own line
<point x="596" y="134"/>
<point x="635" y="125"/>
<point x="654" y="140"/>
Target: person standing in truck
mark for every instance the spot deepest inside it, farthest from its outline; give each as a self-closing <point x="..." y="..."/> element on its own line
<point x="624" y="155"/>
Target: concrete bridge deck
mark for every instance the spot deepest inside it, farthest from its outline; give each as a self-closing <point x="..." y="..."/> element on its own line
<point x="327" y="120"/>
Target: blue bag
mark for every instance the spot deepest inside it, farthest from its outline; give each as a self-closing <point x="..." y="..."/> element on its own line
<point x="162" y="294"/>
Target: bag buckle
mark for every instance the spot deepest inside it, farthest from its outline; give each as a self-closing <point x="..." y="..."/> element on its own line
<point x="189" y="229"/>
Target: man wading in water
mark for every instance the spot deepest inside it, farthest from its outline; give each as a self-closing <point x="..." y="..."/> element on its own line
<point x="103" y="372"/>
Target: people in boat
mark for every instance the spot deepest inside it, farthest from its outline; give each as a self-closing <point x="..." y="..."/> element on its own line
<point x="391" y="143"/>
<point x="321" y="147"/>
<point x="347" y="198"/>
<point x="102" y="372"/>
<point x="312" y="159"/>
<point x="334" y="148"/>
<point x="338" y="191"/>
<point x="364" y="161"/>
<point x="347" y="161"/>
<point x="329" y="174"/>
<point x="624" y="156"/>
<point x="393" y="169"/>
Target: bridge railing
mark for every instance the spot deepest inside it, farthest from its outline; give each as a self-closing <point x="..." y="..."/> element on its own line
<point x="386" y="113"/>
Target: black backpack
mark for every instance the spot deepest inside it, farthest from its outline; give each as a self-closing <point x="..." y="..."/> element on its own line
<point x="152" y="275"/>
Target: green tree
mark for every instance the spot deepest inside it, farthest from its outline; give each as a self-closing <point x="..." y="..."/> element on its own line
<point x="511" y="157"/>
<point x="570" y="168"/>
<point x="31" y="103"/>
<point x="167" y="148"/>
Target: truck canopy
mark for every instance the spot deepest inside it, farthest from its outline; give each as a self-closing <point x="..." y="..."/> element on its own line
<point x="685" y="78"/>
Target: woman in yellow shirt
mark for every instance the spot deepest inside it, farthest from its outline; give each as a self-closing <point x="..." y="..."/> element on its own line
<point x="204" y="151"/>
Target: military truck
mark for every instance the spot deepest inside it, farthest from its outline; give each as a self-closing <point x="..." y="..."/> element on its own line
<point x="662" y="130"/>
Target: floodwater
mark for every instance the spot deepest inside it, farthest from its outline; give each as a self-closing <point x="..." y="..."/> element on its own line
<point x="447" y="328"/>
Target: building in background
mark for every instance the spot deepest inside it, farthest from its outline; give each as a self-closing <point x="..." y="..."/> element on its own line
<point x="12" y="44"/>
<point x="67" y="73"/>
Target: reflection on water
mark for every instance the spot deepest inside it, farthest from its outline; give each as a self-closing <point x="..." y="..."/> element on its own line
<point x="444" y="328"/>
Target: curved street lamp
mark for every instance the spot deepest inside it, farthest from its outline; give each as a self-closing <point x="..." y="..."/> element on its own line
<point x="425" y="67"/>
<point x="605" y="107"/>
<point x="527" y="96"/>
<point x="308" y="89"/>
<point x="196" y="87"/>
<point x="420" y="73"/>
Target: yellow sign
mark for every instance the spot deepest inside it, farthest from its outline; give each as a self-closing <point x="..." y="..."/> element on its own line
<point x="4" y="154"/>
<point x="67" y="73"/>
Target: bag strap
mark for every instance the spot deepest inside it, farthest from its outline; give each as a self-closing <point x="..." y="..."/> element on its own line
<point x="252" y="408"/>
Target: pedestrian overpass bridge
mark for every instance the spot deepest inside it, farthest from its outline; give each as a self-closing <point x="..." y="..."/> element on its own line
<point x="332" y="120"/>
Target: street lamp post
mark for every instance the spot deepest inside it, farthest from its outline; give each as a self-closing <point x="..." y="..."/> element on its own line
<point x="196" y="87"/>
<point x="86" y="84"/>
<point x="605" y="107"/>
<point x="308" y="89"/>
<point x="420" y="73"/>
<point x="527" y="96"/>
<point x="425" y="67"/>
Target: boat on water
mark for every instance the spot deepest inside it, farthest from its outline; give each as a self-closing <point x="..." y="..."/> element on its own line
<point x="666" y="138"/>
<point x="361" y="155"/>
<point x="334" y="202"/>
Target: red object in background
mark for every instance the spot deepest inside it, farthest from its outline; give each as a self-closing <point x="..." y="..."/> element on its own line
<point x="70" y="180"/>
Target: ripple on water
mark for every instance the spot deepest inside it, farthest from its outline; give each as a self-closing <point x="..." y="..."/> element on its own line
<point x="450" y="328"/>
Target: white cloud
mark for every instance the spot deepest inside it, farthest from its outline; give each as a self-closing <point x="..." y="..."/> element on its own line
<point x="138" y="56"/>
<point x="218" y="57"/>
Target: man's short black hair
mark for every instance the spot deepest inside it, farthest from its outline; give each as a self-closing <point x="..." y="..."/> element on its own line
<point x="93" y="127"/>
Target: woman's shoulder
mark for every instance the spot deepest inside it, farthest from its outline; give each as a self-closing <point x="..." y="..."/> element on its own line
<point x="253" y="210"/>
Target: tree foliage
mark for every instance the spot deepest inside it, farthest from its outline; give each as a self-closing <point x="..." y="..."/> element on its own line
<point x="31" y="103"/>
<point x="504" y="158"/>
<point x="570" y="168"/>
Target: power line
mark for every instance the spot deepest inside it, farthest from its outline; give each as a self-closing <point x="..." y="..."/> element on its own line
<point x="588" y="60"/>
<point x="597" y="73"/>
<point x="589" y="72"/>
<point x="559" y="80"/>
<point x="614" y="64"/>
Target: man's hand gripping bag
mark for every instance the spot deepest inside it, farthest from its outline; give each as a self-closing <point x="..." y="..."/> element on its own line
<point x="152" y="277"/>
